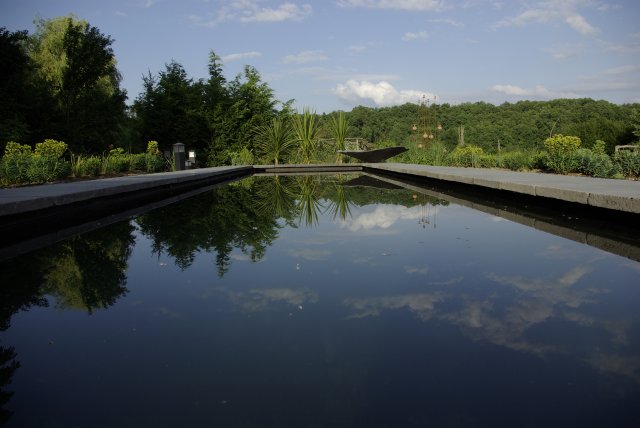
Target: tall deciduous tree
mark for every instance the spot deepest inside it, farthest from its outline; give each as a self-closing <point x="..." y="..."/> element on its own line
<point x="14" y="88"/>
<point x="76" y="63"/>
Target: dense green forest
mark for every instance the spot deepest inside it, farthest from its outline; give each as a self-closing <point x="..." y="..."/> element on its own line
<point x="521" y="125"/>
<point x="62" y="83"/>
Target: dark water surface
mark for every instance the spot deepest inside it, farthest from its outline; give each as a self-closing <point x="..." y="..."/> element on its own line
<point x="312" y="302"/>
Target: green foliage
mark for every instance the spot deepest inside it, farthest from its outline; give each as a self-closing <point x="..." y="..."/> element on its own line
<point x="599" y="147"/>
<point x="21" y="166"/>
<point x="77" y="82"/>
<point x="242" y="157"/>
<point x="305" y="126"/>
<point x="274" y="140"/>
<point x="14" y="168"/>
<point x="516" y="126"/>
<point x="214" y="117"/>
<point x="51" y="148"/>
<point x="560" y="153"/>
<point x="467" y="156"/>
<point x="152" y="148"/>
<point x="15" y="90"/>
<point x="154" y="163"/>
<point x="85" y="166"/>
<point x="594" y="164"/>
<point x="137" y="162"/>
<point x="518" y="160"/>
<point x="629" y="163"/>
<point x="13" y="148"/>
<point x="115" y="162"/>
<point x="44" y="169"/>
<point x="339" y="129"/>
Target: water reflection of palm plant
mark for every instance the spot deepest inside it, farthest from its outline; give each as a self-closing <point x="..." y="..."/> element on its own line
<point x="339" y="128"/>
<point x="305" y="127"/>
<point x="309" y="203"/>
<point x="340" y="206"/>
<point x="274" y="139"/>
<point x="276" y="196"/>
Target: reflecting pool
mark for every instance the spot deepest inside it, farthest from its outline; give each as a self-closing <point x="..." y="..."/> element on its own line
<point x="326" y="301"/>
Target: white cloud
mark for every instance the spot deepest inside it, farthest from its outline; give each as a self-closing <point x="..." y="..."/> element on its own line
<point x="537" y="92"/>
<point x="380" y="94"/>
<point x="305" y="57"/>
<point x="284" y="12"/>
<point x="420" y="5"/>
<point x="240" y="55"/>
<point x="447" y="21"/>
<point x="578" y="23"/>
<point x="251" y="11"/>
<point x="549" y="11"/>
<point x="357" y="48"/>
<point x="422" y="35"/>
<point x="566" y="51"/>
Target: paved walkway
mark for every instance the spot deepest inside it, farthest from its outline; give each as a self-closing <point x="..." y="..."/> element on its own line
<point x="26" y="199"/>
<point x="622" y="195"/>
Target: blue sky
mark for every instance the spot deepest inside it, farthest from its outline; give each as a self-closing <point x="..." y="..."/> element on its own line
<point x="336" y="54"/>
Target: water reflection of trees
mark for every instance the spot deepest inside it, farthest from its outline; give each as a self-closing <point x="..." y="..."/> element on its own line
<point x="85" y="272"/>
<point x="247" y="215"/>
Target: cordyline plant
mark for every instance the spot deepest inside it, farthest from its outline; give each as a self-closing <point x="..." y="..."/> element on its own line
<point x="275" y="139"/>
<point x="339" y="128"/>
<point x="305" y="127"/>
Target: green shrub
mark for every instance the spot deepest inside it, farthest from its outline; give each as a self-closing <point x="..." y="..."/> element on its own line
<point x="594" y="164"/>
<point x="51" y="148"/>
<point x="436" y="154"/>
<point x="14" y="168"/>
<point x="88" y="166"/>
<point x="137" y="162"/>
<point x="560" y="149"/>
<point x="243" y="157"/>
<point x="467" y="156"/>
<point x="21" y="166"/>
<point x="517" y="161"/>
<point x="599" y="147"/>
<point x="154" y="163"/>
<point x="629" y="163"/>
<point x="44" y="169"/>
<point x="152" y="148"/>
<point x="488" y="161"/>
<point x="115" y="163"/>
<point x="13" y="148"/>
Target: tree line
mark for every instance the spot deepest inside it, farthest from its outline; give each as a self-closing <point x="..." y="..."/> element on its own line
<point x="62" y="83"/>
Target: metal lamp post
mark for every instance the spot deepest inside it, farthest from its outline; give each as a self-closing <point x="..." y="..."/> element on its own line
<point x="179" y="156"/>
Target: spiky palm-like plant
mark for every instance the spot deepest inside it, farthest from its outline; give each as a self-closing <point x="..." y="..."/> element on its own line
<point x="305" y="127"/>
<point x="274" y="139"/>
<point x="341" y="205"/>
<point x="309" y="204"/>
<point x="339" y="128"/>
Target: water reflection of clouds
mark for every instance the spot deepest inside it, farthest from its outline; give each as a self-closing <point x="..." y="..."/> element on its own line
<point x="552" y="290"/>
<point x="382" y="217"/>
<point x="422" y="304"/>
<point x="451" y="281"/>
<point x="493" y="318"/>
<point x="310" y="254"/>
<point x="570" y="252"/>
<point x="256" y="300"/>
<point x="416" y="270"/>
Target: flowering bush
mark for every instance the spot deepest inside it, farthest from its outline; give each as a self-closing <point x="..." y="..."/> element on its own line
<point x="560" y="149"/>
